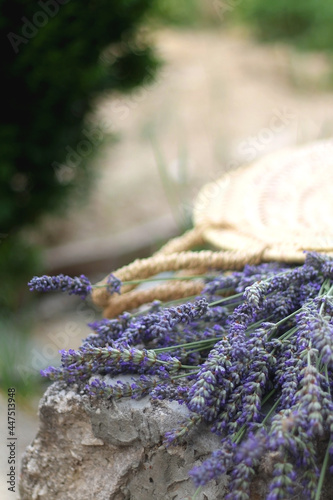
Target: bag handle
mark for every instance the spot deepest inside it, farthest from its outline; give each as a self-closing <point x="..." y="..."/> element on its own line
<point x="164" y="261"/>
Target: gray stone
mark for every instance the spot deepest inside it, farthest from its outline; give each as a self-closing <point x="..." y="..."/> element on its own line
<point x="88" y="449"/>
<point x="105" y="450"/>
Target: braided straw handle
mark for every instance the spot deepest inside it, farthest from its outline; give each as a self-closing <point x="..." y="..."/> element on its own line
<point x="203" y="261"/>
<point x="273" y="209"/>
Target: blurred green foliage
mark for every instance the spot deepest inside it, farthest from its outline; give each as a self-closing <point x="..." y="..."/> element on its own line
<point x="306" y="24"/>
<point x="19" y="261"/>
<point x="51" y="71"/>
<point x="178" y="13"/>
<point x="188" y="14"/>
<point x="57" y="56"/>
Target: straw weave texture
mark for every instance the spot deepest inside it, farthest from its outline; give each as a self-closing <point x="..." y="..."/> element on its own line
<point x="282" y="204"/>
<point x="273" y="209"/>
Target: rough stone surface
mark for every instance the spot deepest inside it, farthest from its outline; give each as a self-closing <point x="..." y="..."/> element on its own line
<point x="97" y="450"/>
<point x="105" y="450"/>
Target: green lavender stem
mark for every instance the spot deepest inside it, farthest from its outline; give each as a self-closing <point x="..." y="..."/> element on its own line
<point x="322" y="473"/>
<point x="201" y="344"/>
<point x="225" y="299"/>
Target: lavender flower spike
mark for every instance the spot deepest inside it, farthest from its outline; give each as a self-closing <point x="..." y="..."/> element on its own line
<point x="113" y="284"/>
<point x="74" y="286"/>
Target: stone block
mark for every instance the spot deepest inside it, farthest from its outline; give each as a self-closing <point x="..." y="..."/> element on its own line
<point x="112" y="450"/>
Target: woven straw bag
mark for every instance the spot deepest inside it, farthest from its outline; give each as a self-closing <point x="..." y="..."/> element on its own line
<point x="273" y="209"/>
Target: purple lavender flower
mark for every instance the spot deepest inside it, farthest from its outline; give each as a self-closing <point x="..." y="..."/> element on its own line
<point x="320" y="262"/>
<point x="315" y="326"/>
<point x="138" y="388"/>
<point x="212" y="384"/>
<point x="108" y="330"/>
<point x="244" y="403"/>
<point x="77" y="285"/>
<point x="219" y="463"/>
<point x="113" y="284"/>
<point x="177" y="435"/>
<point x="157" y="326"/>
<point x="261" y="362"/>
<point x="246" y="458"/>
<point x="261" y="272"/>
<point x="240" y="280"/>
<point x="170" y="392"/>
<point x="52" y="373"/>
<point x="313" y="403"/>
<point x="80" y="365"/>
<point x="256" y="293"/>
<point x="287" y="372"/>
<point x="283" y="483"/>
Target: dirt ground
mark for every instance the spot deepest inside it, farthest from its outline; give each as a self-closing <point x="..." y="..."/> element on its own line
<point x="220" y="100"/>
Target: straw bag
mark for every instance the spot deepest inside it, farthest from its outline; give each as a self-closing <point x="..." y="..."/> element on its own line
<point x="273" y="209"/>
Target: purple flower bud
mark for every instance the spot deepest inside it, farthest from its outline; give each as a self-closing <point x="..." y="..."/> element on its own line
<point x="113" y="284"/>
<point x="77" y="285"/>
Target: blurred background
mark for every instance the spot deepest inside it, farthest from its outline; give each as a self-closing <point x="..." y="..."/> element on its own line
<point x="114" y="115"/>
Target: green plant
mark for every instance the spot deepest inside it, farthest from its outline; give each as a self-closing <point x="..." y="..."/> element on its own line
<point x="307" y="24"/>
<point x="251" y="357"/>
<point x="51" y="70"/>
<point x="192" y="13"/>
<point x="58" y="55"/>
<point x="17" y="260"/>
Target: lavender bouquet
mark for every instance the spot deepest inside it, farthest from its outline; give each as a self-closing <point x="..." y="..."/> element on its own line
<point x="252" y="356"/>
